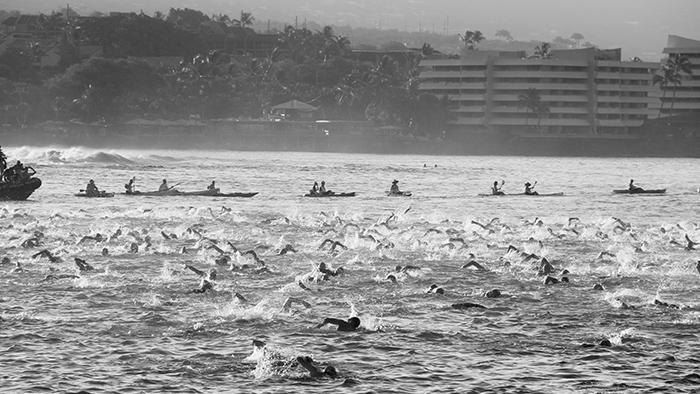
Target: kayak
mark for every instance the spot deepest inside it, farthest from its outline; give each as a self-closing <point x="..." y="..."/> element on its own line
<point x="523" y="194"/>
<point x="101" y="195"/>
<point x="399" y="194"/>
<point x="648" y="191"/>
<point x="174" y="192"/>
<point x="18" y="191"/>
<point x="351" y="194"/>
<point x="249" y="194"/>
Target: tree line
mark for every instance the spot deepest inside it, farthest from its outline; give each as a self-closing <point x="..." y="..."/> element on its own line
<point x="310" y="66"/>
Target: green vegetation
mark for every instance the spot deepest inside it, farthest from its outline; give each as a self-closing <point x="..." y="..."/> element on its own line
<point x="127" y="80"/>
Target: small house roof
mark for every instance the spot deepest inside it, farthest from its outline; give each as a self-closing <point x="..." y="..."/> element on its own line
<point x="297" y="105"/>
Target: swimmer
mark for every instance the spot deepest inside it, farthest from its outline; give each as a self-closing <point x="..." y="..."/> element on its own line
<point x="82" y="265"/>
<point x="97" y="238"/>
<point x="553" y="281"/>
<point x="307" y="363"/>
<point x="665" y="304"/>
<point x="287" y="249"/>
<point x="57" y="277"/>
<point x="495" y="293"/>
<point x="334" y="244"/>
<point x="207" y="279"/>
<point x="303" y="286"/>
<point x="545" y="267"/>
<point x="350" y="325"/>
<point x="292" y="300"/>
<point x="18" y="269"/>
<point x="435" y="289"/>
<point x="690" y="245"/>
<point x="48" y="255"/>
<point x="604" y="254"/>
<point x="255" y="256"/>
<point x="407" y="268"/>
<point x="475" y="265"/>
<point x="466" y="305"/>
<point x="328" y="272"/>
<point x="31" y="243"/>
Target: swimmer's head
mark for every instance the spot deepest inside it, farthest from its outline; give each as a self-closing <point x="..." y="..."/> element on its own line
<point x="354" y="321"/>
<point x="330" y="371"/>
<point x="495" y="293"/>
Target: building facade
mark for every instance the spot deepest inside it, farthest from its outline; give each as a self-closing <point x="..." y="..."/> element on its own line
<point x="683" y="98"/>
<point x="588" y="92"/>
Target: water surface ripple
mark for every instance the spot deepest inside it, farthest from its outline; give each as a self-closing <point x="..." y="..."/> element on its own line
<point x="133" y="324"/>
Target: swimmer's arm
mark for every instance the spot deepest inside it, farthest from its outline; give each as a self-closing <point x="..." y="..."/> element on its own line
<point x="195" y="270"/>
<point x="330" y="320"/>
<point x="313" y="371"/>
<point x="291" y="300"/>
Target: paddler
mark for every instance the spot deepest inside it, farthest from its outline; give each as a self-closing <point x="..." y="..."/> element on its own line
<point x="395" y="187"/>
<point x="91" y="189"/>
<point x="164" y="186"/>
<point x="130" y="186"/>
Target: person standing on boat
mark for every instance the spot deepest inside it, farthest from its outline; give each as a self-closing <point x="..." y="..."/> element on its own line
<point x="164" y="186"/>
<point x="528" y="189"/>
<point x="394" y="187"/>
<point x="91" y="189"/>
<point x="634" y="188"/>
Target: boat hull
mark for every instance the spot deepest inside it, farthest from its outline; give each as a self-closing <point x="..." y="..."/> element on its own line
<point x="399" y="194"/>
<point x="241" y="194"/>
<point x="101" y="195"/>
<point x="650" y="191"/>
<point x="524" y="195"/>
<point x="351" y="194"/>
<point x="19" y="191"/>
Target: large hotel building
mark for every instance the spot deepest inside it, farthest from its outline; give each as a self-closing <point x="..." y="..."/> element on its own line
<point x="589" y="92"/>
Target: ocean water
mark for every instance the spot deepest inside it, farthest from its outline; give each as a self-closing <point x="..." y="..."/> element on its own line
<point x="133" y="323"/>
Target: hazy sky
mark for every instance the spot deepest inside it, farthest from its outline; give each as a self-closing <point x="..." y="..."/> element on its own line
<point x="639" y="27"/>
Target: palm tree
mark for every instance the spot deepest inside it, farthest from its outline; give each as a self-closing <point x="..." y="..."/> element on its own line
<point x="530" y="100"/>
<point x="541" y="110"/>
<point x="471" y="38"/>
<point x="544" y="51"/>
<point x="246" y="19"/>
<point x="678" y="64"/>
<point x="663" y="78"/>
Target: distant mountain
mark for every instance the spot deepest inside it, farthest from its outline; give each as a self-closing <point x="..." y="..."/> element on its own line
<point x="639" y="27"/>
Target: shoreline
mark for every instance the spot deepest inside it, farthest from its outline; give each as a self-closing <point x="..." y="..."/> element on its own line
<point x="462" y="145"/>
